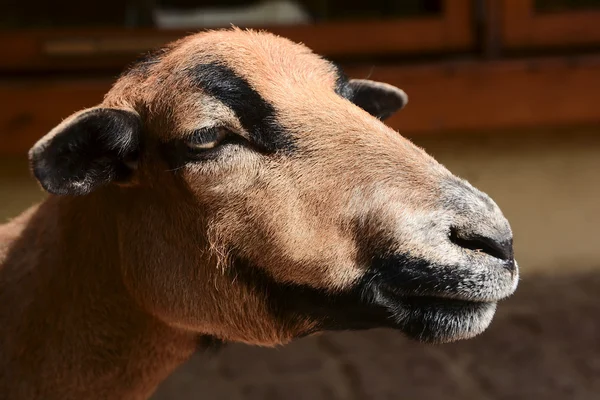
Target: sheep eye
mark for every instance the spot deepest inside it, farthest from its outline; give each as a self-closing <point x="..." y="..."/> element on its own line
<point x="208" y="138"/>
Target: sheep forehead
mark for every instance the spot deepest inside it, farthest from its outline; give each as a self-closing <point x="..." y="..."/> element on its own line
<point x="259" y="57"/>
<point x="286" y="76"/>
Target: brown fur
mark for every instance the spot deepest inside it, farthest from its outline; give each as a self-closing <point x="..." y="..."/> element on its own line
<point x="101" y="296"/>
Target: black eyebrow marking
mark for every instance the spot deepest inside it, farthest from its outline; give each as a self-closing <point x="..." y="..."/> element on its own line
<point x="257" y="116"/>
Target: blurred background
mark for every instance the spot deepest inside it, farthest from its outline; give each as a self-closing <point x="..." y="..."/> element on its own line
<point x="505" y="93"/>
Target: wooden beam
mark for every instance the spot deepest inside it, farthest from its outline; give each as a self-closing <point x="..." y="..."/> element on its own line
<point x="523" y="27"/>
<point x="516" y="16"/>
<point x="491" y="40"/>
<point x="102" y="49"/>
<point x="496" y="94"/>
<point x="460" y="96"/>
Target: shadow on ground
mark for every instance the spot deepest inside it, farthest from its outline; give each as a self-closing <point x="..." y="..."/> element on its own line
<point x="543" y="344"/>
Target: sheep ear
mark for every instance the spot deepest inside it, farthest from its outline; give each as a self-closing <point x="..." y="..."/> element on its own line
<point x="93" y="147"/>
<point x="377" y="98"/>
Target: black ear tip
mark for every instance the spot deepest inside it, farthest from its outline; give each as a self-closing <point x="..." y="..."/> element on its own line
<point x="402" y="99"/>
<point x="86" y="151"/>
<point x="39" y="169"/>
<point x="391" y="102"/>
<point x="377" y="98"/>
<point x="52" y="176"/>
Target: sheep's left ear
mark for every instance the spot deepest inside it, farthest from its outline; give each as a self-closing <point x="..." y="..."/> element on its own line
<point x="377" y="98"/>
<point x="93" y="147"/>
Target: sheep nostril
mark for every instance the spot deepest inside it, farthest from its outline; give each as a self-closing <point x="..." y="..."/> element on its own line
<point x="501" y="250"/>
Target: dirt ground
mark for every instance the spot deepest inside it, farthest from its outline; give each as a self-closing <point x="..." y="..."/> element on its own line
<point x="543" y="344"/>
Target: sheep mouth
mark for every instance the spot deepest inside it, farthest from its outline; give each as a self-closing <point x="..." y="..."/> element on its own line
<point x="436" y="319"/>
<point x="372" y="303"/>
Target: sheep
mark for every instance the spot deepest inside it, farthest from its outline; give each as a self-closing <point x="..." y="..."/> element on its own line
<point x="234" y="187"/>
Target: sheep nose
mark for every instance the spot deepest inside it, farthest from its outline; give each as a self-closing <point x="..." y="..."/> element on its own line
<point x="501" y="248"/>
